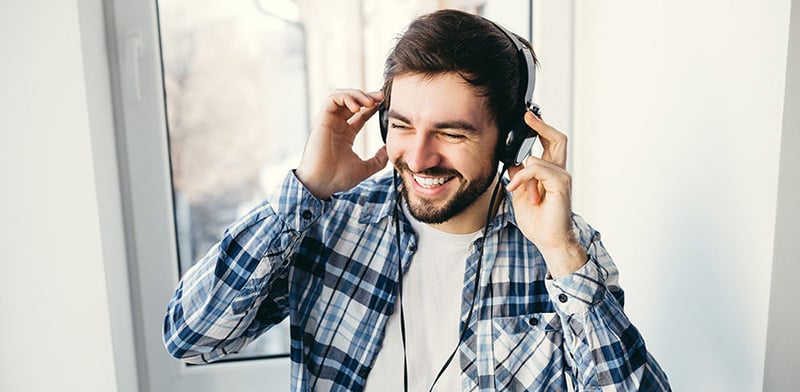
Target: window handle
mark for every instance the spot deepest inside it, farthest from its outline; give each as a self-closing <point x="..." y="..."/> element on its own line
<point x="133" y="47"/>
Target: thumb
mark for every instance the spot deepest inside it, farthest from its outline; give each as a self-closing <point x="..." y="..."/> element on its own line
<point x="378" y="161"/>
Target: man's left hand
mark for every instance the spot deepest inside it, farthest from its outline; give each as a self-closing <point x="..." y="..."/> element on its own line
<point x="541" y="189"/>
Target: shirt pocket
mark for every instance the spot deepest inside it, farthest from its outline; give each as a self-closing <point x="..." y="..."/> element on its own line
<point x="527" y="351"/>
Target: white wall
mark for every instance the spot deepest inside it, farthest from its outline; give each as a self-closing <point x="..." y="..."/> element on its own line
<point x="782" y="361"/>
<point x="678" y="109"/>
<point x="55" y="333"/>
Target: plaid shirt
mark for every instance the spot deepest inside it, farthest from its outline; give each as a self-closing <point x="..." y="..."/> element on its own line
<point x="331" y="266"/>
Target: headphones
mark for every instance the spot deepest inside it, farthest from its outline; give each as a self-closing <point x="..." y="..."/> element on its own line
<point x="516" y="142"/>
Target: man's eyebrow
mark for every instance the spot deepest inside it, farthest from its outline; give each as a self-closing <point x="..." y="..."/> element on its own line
<point x="457" y="124"/>
<point x="452" y="124"/>
<point x="394" y="114"/>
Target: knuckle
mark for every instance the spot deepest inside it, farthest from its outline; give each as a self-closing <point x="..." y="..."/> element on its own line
<point x="334" y="97"/>
<point x="341" y="93"/>
<point x="567" y="179"/>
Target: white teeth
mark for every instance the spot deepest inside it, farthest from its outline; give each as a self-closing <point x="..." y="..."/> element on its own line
<point x="430" y="182"/>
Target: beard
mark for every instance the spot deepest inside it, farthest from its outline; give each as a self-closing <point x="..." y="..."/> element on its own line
<point x="468" y="193"/>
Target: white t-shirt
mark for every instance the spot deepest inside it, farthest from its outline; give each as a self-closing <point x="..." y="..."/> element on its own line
<point x="432" y="289"/>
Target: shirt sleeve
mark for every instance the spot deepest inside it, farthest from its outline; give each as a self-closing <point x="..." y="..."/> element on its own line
<point x="603" y="348"/>
<point x="239" y="289"/>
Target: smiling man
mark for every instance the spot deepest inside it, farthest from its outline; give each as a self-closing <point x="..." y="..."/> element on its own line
<point x="442" y="275"/>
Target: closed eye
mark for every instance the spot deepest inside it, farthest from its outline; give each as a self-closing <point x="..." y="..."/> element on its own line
<point x="455" y="137"/>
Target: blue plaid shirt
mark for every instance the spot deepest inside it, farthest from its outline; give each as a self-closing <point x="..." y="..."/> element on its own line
<point x="331" y="267"/>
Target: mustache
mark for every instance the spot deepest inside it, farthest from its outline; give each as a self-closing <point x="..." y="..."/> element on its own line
<point x="401" y="166"/>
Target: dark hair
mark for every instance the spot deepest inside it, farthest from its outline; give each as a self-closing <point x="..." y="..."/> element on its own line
<point x="469" y="45"/>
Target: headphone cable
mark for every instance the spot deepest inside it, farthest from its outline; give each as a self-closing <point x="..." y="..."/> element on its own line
<point x="400" y="279"/>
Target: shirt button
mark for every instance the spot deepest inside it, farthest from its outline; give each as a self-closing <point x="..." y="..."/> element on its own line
<point x="563" y="298"/>
<point x="307" y="214"/>
<point x="363" y="372"/>
<point x="533" y="321"/>
<point x="412" y="248"/>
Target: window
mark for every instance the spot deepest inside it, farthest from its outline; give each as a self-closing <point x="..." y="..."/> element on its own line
<point x="213" y="102"/>
<point x="235" y="88"/>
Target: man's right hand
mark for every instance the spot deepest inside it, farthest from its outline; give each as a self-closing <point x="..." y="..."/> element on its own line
<point x="329" y="164"/>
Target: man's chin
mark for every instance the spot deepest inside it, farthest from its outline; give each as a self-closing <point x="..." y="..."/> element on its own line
<point x="430" y="212"/>
<point x="429" y="217"/>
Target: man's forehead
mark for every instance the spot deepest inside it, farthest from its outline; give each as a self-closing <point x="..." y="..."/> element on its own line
<point x="438" y="97"/>
<point x="419" y="79"/>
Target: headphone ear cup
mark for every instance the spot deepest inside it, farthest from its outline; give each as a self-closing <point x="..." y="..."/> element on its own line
<point x="383" y="120"/>
<point x="517" y="144"/>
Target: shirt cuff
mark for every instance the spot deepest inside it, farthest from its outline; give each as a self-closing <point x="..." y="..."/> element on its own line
<point x="579" y="291"/>
<point x="296" y="206"/>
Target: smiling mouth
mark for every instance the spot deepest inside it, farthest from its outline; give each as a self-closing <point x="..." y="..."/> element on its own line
<point x="431" y="182"/>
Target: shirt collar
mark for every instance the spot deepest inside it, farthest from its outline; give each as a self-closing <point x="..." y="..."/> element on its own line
<point x="379" y="202"/>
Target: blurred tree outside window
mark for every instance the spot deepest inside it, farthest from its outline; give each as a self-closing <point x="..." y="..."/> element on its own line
<point x="237" y="113"/>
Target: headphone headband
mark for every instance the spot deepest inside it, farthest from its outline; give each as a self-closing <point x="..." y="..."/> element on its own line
<point x="525" y="57"/>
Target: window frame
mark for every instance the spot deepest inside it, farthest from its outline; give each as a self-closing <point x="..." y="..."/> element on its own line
<point x="147" y="195"/>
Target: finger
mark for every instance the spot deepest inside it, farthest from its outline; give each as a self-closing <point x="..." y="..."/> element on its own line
<point x="553" y="141"/>
<point x="353" y="100"/>
<point x="376" y="95"/>
<point x="512" y="171"/>
<point x="533" y="189"/>
<point x="351" y="104"/>
<point x="363" y="99"/>
<point x="377" y="162"/>
<point x="519" y="186"/>
<point x="358" y="119"/>
<point x="551" y="176"/>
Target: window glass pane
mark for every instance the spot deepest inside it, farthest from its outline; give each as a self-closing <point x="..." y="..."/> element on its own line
<point x="235" y="80"/>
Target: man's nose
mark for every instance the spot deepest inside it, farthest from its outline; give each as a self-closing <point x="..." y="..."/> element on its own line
<point x="422" y="154"/>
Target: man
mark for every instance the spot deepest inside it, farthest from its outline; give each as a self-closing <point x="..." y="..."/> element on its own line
<point x="515" y="293"/>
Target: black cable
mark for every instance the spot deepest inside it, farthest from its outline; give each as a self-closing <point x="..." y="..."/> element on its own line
<point x="400" y="279"/>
